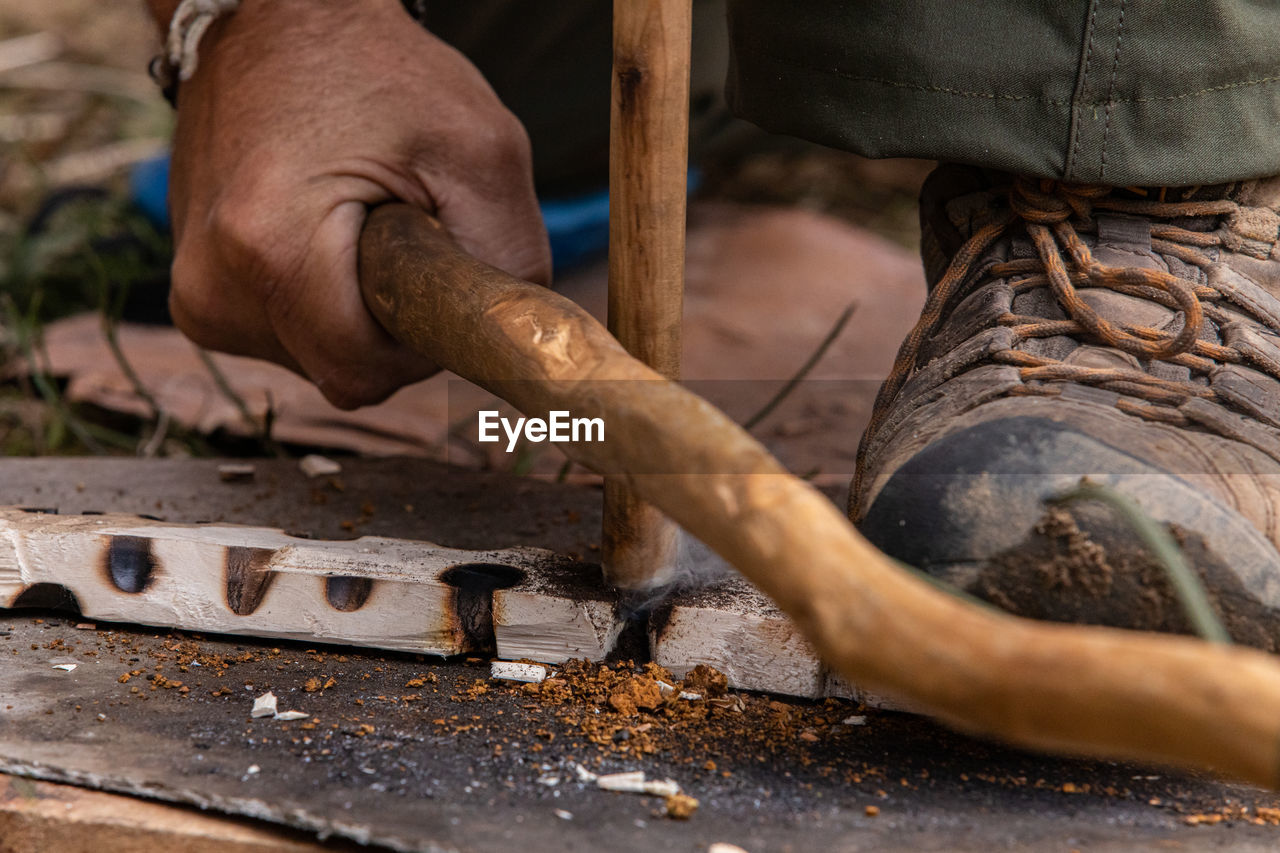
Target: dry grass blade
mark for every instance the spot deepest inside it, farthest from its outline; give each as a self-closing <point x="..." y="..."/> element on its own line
<point x="90" y="167"/>
<point x="28" y="50"/>
<point x="811" y="362"/>
<point x="261" y="430"/>
<point x="77" y="77"/>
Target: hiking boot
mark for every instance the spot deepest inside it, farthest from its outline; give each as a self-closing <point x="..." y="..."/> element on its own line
<point x="1130" y="337"/>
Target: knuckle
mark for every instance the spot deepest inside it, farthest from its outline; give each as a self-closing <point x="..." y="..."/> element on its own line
<point x="512" y="138"/>
<point x="348" y="390"/>
<point x="500" y="140"/>
<point x="350" y="384"/>
<point x="242" y="227"/>
<point x="512" y="144"/>
<point x="258" y="251"/>
<point x="193" y="304"/>
<point x="196" y="324"/>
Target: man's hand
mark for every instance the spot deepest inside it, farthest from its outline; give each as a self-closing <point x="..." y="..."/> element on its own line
<point x="301" y="114"/>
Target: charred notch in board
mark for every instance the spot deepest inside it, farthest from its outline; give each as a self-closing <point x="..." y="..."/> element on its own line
<point x="639" y="605"/>
<point x="130" y="563"/>
<point x="248" y="577"/>
<point x="346" y="593"/>
<point x="660" y="617"/>
<point x="473" y="585"/>
<point x="47" y="596"/>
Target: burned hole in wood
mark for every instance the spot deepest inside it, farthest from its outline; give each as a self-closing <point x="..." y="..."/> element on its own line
<point x="641" y="605"/>
<point x="347" y="593"/>
<point x="659" y="617"/>
<point x="473" y="585"/>
<point x="47" y="596"/>
<point x="129" y="563"/>
<point x="248" y="577"/>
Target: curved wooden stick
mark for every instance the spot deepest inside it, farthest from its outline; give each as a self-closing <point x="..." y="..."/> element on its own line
<point x="1081" y="690"/>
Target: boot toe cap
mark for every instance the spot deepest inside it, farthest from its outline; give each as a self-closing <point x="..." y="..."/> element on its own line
<point x="974" y="509"/>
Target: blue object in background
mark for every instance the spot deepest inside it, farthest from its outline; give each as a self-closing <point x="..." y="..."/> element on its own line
<point x="578" y="227"/>
<point x="149" y="185"/>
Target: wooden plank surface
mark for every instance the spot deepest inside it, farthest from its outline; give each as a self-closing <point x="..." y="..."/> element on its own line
<point x="559" y="609"/>
<point x="374" y="591"/>
<point x="41" y="817"/>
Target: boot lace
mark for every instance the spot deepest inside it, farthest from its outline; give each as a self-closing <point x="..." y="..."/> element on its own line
<point x="1052" y="214"/>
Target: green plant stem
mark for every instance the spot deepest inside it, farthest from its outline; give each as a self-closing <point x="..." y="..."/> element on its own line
<point x="809" y="364"/>
<point x="1186" y="584"/>
<point x="261" y="431"/>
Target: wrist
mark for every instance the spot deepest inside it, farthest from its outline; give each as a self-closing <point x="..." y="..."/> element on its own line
<point x="162" y="13"/>
<point x="191" y="28"/>
<point x="189" y="21"/>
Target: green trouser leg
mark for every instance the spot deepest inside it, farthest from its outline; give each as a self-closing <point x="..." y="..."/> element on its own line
<point x="549" y="63"/>
<point x="1121" y="92"/>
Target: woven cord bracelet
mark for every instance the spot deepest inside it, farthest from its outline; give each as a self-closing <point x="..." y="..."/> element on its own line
<point x="180" y="57"/>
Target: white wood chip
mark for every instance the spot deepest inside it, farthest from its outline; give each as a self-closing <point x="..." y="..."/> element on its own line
<point x="236" y="472"/>
<point x="264" y="705"/>
<point x="286" y="716"/>
<point x="315" y="465"/>
<point x="511" y="671"/>
<point x="633" y="782"/>
<point x="661" y="788"/>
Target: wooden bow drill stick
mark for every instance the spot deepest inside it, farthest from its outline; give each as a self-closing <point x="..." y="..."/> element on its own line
<point x="648" y="165"/>
<point x="1096" y="691"/>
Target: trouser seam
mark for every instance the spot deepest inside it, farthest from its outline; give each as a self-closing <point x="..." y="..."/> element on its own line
<point x="1078" y="98"/>
<point x="1111" y="90"/>
<point x="905" y="84"/>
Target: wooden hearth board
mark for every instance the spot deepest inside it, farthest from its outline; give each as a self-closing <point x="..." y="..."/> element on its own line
<point x="373" y="591"/>
<point x="393" y="594"/>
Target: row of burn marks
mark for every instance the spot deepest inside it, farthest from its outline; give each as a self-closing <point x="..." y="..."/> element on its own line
<point x="131" y="566"/>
